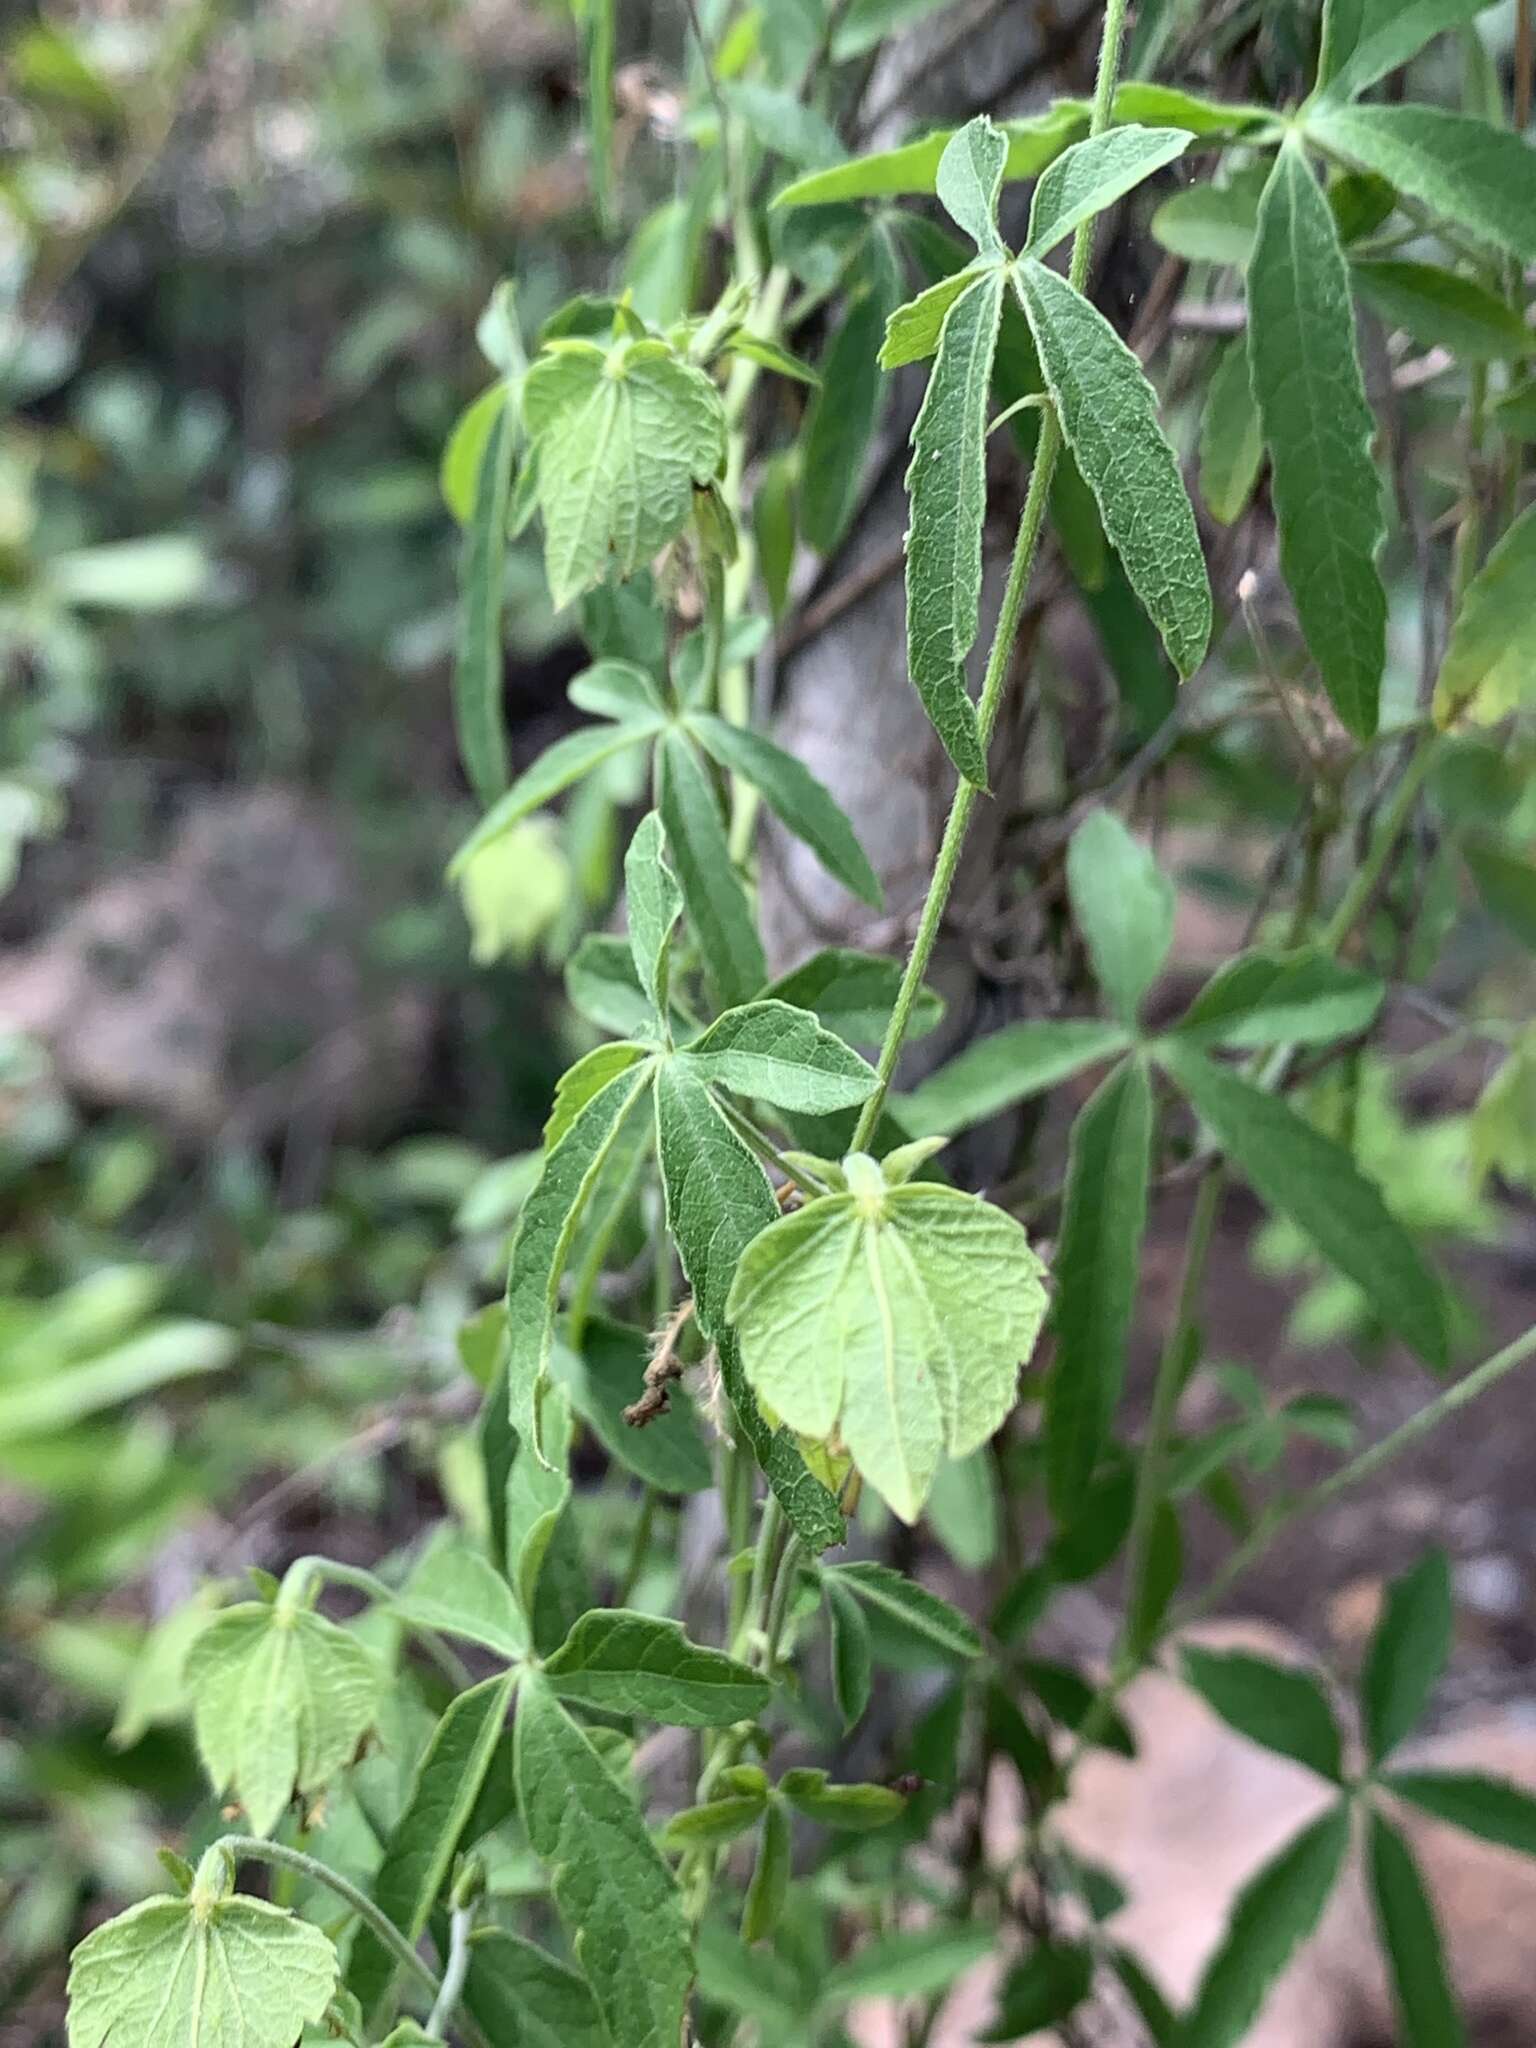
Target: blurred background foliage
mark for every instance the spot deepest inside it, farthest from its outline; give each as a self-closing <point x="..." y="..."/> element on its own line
<point x="266" y="1090"/>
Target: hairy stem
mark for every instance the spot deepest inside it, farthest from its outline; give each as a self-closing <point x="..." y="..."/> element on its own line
<point x="1026" y="546"/>
<point x="461" y="1926"/>
<point x="249" y="1849"/>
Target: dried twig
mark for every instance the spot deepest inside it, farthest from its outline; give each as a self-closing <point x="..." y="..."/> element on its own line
<point x="665" y="1366"/>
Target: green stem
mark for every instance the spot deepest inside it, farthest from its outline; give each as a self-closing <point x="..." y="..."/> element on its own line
<point x="639" y="1549"/>
<point x="1025" y="548"/>
<point x="1357" y="897"/>
<point x="248" y="1849"/>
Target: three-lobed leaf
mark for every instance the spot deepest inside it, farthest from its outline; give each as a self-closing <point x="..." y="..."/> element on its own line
<point x="621" y="437"/>
<point x="1108" y="415"/>
<point x="281" y="1698"/>
<point x="212" y="1970"/>
<point x="1311" y="397"/>
<point x="897" y="1317"/>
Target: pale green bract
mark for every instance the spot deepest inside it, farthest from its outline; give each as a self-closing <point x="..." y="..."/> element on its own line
<point x="897" y="1317"/>
<point x="281" y="1699"/>
<point x="1108" y="415"/>
<point x="622" y="435"/>
<point x="211" y="1970"/>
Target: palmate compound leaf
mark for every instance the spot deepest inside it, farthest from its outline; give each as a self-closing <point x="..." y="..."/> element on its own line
<point x="281" y="1698"/>
<point x="1108" y="415"/>
<point x="897" y="1317"/>
<point x="621" y="436"/>
<point x="211" y="1970"/>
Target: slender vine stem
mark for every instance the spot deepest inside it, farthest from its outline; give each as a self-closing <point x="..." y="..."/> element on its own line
<point x="1026" y="546"/>
<point x="461" y="1925"/>
<point x="250" y="1849"/>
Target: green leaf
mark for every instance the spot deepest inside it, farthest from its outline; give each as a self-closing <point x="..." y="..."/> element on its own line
<point x="1008" y="1067"/>
<point x="1407" y="1654"/>
<point x="1300" y="1173"/>
<point x="1382" y="36"/>
<point x="1274" y="1913"/>
<point x="515" y="1992"/>
<point x="621" y="436"/>
<point x="917" y="1963"/>
<point x="805" y="805"/>
<point x="914" y="166"/>
<point x="809" y="1508"/>
<point x="612" y="1890"/>
<point x="716" y="901"/>
<point x="856" y="1809"/>
<point x="1506" y="884"/>
<point x="281" y="1698"/>
<point x="784" y="124"/>
<point x="670" y="1452"/>
<point x="620" y="690"/>
<point x="1489" y="668"/>
<point x="175" y="1349"/>
<point x="1405" y="1920"/>
<point x="598" y="26"/>
<point x="590" y="1075"/>
<point x="1092" y="175"/>
<point x="629" y="1663"/>
<point x="1049" y="1985"/>
<point x="773" y="527"/>
<point x="850" y="1651"/>
<point x="853" y="994"/>
<point x="477" y="669"/>
<point x="916" y="1610"/>
<point x="781" y="1055"/>
<point x="456" y="1591"/>
<point x="1489" y="1808"/>
<point x="1108" y="415"/>
<point x="969" y="178"/>
<point x="1319" y="428"/>
<point x="567" y="761"/>
<point x="717" y="1821"/>
<point x="841" y="420"/>
<point x="602" y="986"/>
<point x="964" y="1508"/>
<point x="1209" y="223"/>
<point x="1123" y="906"/>
<point x="545" y="1231"/>
<point x="210" y="1970"/>
<point x="718" y="1197"/>
<point x="947" y="489"/>
<point x="1438" y="309"/>
<point x="866" y="23"/>
<point x="1098" y="1262"/>
<point x="1481" y="178"/>
<point x="1231" y="438"/>
<point x="1068" y="1698"/>
<point x="1278" y="1706"/>
<point x="898" y="1316"/>
<point x="769" y="1885"/>
<point x="419" y="1853"/>
<point x="912" y="331"/>
<point x="538" y="1492"/>
<point x="1503" y="1129"/>
<point x="653" y="903"/>
<point x="464" y="451"/>
<point x="1300" y="998"/>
